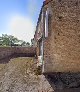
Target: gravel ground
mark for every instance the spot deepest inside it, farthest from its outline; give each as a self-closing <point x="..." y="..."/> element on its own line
<point x="18" y="76"/>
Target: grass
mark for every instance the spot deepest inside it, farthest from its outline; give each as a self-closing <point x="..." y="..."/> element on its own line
<point x="2" y="66"/>
<point x="18" y="72"/>
<point x="23" y="68"/>
<point x="22" y="64"/>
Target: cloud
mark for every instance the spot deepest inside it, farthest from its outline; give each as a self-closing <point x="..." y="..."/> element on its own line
<point x="22" y="27"/>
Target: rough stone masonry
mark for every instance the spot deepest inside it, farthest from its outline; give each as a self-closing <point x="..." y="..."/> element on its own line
<point x="16" y="51"/>
<point x="62" y="46"/>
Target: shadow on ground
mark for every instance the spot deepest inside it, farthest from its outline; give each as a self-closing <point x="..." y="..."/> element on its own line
<point x="68" y="90"/>
<point x="56" y="82"/>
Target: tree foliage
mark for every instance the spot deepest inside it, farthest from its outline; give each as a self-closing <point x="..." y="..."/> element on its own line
<point x="9" y="40"/>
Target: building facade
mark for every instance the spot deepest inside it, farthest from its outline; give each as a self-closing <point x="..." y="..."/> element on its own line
<point x="57" y="36"/>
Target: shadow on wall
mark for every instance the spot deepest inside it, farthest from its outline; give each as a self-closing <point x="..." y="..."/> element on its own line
<point x="7" y="59"/>
<point x="64" y="82"/>
<point x="6" y="53"/>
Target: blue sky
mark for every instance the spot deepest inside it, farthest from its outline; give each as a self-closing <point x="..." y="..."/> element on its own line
<point x="19" y="17"/>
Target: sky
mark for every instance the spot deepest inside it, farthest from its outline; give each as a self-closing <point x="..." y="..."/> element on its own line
<point x="19" y="17"/>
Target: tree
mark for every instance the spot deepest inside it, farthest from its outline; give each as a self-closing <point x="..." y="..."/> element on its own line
<point x="9" y="40"/>
<point x="23" y="43"/>
<point x="5" y="40"/>
<point x="27" y="44"/>
<point x="0" y="41"/>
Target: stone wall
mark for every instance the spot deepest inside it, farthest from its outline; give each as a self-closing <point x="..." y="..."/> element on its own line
<point x="10" y="51"/>
<point x="62" y="47"/>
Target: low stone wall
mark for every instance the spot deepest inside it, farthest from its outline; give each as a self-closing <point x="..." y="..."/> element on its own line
<point x="10" y="51"/>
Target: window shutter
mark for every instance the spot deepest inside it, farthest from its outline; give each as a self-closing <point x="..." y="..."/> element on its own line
<point x="46" y="23"/>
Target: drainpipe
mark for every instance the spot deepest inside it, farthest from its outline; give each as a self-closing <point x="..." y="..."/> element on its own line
<point x="43" y="11"/>
<point x="43" y="54"/>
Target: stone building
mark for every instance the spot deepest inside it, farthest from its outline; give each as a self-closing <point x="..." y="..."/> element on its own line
<point x="58" y="36"/>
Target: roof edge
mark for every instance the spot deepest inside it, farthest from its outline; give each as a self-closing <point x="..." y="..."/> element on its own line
<point x="46" y="2"/>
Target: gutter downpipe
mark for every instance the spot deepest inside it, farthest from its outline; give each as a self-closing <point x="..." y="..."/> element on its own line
<point x="43" y="40"/>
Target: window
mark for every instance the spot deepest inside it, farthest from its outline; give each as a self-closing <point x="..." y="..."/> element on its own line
<point x="46" y="23"/>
